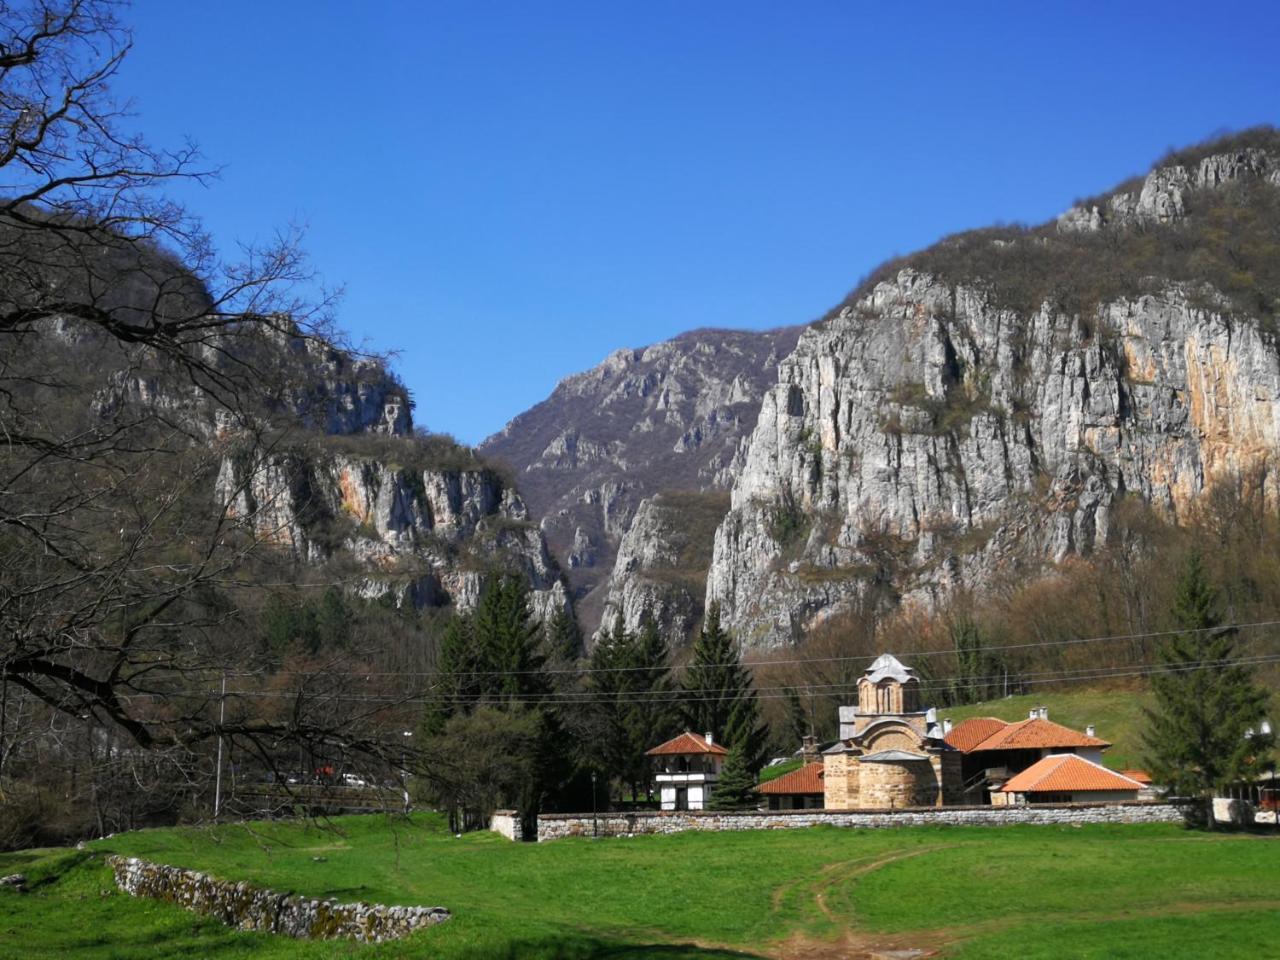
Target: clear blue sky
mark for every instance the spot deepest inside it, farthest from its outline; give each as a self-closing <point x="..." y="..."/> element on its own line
<point x="510" y="191"/>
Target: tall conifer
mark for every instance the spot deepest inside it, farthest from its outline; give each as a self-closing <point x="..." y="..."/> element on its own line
<point x="720" y="698"/>
<point x="1203" y="730"/>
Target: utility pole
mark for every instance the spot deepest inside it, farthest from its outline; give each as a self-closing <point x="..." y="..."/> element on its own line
<point x="217" y="781"/>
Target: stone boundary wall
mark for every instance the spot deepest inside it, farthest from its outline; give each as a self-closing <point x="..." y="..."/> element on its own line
<point x="507" y="823"/>
<point x="553" y="826"/>
<point x="248" y="907"/>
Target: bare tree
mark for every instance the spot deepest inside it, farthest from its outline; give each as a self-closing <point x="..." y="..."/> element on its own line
<point x="134" y="363"/>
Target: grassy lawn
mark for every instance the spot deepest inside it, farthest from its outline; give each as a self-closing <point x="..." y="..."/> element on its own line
<point x="1100" y="891"/>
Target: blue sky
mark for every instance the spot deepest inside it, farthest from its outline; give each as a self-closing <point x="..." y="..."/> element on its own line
<point x="510" y="191"/>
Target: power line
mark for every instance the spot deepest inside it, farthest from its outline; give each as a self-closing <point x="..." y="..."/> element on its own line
<point x="587" y="698"/>
<point x="795" y="660"/>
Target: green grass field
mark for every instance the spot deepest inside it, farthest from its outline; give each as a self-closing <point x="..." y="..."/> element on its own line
<point x="1028" y="892"/>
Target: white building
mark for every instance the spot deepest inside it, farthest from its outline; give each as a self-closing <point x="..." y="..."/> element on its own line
<point x="685" y="768"/>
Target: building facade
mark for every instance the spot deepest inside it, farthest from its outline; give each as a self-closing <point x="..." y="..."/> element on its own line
<point x="685" y="769"/>
<point x="891" y="752"/>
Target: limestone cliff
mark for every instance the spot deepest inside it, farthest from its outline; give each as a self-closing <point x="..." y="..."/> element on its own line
<point x="981" y="407"/>
<point x="665" y="418"/>
<point x="325" y="465"/>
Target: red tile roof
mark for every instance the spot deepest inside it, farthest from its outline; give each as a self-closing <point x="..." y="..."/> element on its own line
<point x="1068" y="773"/>
<point x="1141" y="776"/>
<point x="1036" y="734"/>
<point x="808" y="779"/>
<point x="686" y="743"/>
<point x="967" y="734"/>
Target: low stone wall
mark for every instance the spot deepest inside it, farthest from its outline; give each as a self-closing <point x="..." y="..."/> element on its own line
<point x="507" y="823"/>
<point x="556" y="825"/>
<point x="254" y="908"/>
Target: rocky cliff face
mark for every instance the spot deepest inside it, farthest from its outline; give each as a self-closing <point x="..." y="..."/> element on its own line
<point x="932" y="433"/>
<point x="670" y="417"/>
<point x="426" y="534"/>
<point x="333" y="473"/>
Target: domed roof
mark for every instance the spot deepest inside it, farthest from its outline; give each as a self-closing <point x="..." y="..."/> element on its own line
<point x="889" y="667"/>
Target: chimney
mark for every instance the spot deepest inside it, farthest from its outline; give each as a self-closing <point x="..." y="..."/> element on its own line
<point x="1032" y="714"/>
<point x="946" y="725"/>
<point x="709" y="738"/>
<point x="1044" y="713"/>
<point x="809" y="748"/>
<point x="1091" y="731"/>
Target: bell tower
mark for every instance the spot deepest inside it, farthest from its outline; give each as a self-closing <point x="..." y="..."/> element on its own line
<point x="888" y="687"/>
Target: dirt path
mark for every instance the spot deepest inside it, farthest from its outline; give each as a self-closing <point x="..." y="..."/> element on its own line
<point x="855" y="944"/>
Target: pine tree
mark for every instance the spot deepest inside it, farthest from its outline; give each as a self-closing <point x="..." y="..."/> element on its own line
<point x="608" y="684"/>
<point x="720" y="697"/>
<point x="1205" y="702"/>
<point x="735" y="788"/>
<point x="648" y="715"/>
<point x="507" y="638"/>
<point x="563" y="638"/>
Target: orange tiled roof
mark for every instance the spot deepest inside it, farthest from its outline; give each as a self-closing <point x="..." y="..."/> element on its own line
<point x="1036" y="734"/>
<point x="967" y="734"/>
<point x="1067" y="773"/>
<point x="808" y="779"/>
<point x="686" y="743"/>
<point x="1141" y="776"/>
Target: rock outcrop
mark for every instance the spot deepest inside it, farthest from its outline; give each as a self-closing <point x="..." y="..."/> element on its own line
<point x="1161" y="198"/>
<point x="930" y="435"/>
<point x="669" y="417"/>
<point x="325" y="466"/>
<point x="662" y="561"/>
<point x="427" y="534"/>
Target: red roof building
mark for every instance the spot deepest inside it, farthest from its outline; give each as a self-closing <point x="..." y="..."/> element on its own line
<point x="687" y="744"/>
<point x="994" y="750"/>
<point x="798" y="790"/>
<point x="686" y="768"/>
<point x="1068" y="778"/>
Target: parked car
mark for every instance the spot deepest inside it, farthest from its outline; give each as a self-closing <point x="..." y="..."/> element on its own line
<point x="353" y="780"/>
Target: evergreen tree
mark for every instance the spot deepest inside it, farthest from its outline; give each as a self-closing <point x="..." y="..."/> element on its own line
<point x="507" y="640"/>
<point x="607" y="682"/>
<point x="492" y="659"/>
<point x="735" y="788"/>
<point x="563" y="638"/>
<point x="798" y="716"/>
<point x="720" y="697"/>
<point x="334" y="620"/>
<point x="1206" y="702"/>
<point x="648" y="713"/>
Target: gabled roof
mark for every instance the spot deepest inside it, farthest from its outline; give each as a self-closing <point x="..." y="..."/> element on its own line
<point x="1068" y="773"/>
<point x="686" y="743"/>
<point x="1036" y="734"/>
<point x="888" y="667"/>
<point x="808" y="779"/>
<point x="967" y="734"/>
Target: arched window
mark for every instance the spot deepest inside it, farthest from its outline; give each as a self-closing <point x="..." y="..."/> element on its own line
<point x="884" y="698"/>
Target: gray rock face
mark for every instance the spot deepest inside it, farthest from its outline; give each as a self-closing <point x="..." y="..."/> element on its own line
<point x="670" y="417"/>
<point x="1163" y="194"/>
<point x="661" y="564"/>
<point x="424" y="534"/>
<point x="923" y="439"/>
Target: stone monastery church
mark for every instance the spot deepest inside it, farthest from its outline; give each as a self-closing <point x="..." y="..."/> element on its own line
<point x="891" y="753"/>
